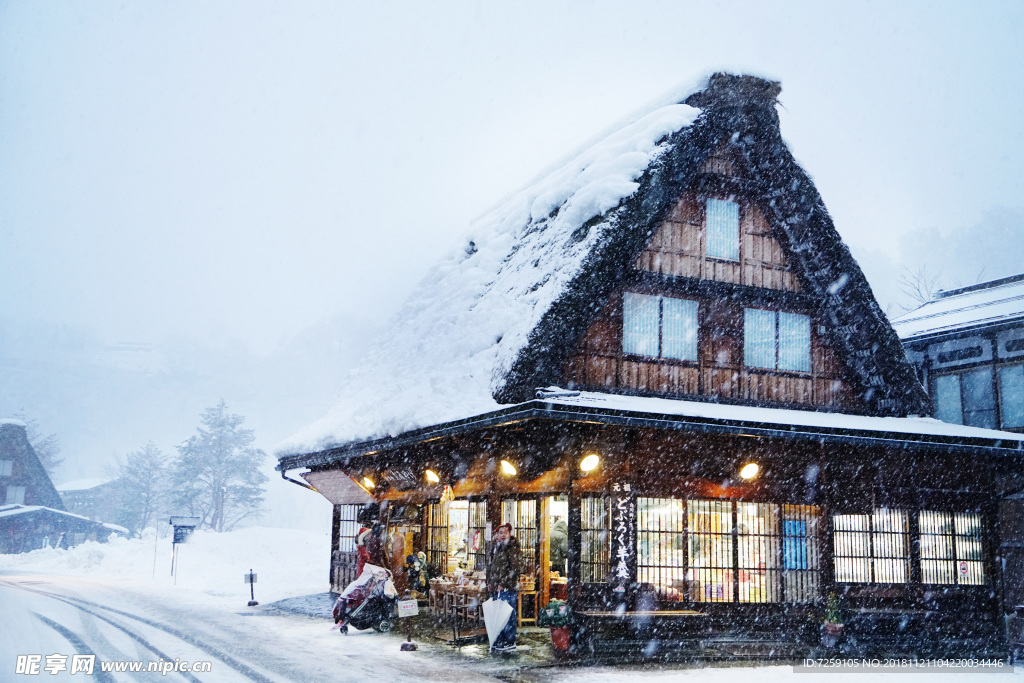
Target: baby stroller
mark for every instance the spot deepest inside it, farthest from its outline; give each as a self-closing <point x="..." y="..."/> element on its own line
<point x="367" y="602"/>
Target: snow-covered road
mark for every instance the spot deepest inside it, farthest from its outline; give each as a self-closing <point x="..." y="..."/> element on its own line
<point x="46" y="615"/>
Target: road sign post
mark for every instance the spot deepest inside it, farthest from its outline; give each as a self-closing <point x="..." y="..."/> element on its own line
<point x="250" y="579"/>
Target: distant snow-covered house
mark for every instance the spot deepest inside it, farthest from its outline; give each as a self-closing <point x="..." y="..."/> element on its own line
<point x="968" y="347"/>
<point x="666" y="344"/>
<point x="33" y="514"/>
<point x="93" y="497"/>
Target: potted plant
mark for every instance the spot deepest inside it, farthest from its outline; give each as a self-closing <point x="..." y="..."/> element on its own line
<point x="557" y="615"/>
<point x="832" y="626"/>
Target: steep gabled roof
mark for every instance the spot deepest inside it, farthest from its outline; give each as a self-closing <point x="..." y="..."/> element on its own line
<point x="497" y="318"/>
<point x="988" y="303"/>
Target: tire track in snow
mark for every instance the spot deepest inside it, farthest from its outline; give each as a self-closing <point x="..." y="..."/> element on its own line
<point x="194" y="642"/>
<point x="78" y="644"/>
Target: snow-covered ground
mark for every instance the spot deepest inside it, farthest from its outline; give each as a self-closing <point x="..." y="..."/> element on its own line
<point x="106" y="599"/>
<point x="287" y="562"/>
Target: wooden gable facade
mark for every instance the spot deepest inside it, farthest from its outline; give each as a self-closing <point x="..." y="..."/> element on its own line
<point x="675" y="263"/>
<point x="728" y="433"/>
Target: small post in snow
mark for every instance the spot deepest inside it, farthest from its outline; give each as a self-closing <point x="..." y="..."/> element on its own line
<point x="408" y="607"/>
<point x="250" y="579"/>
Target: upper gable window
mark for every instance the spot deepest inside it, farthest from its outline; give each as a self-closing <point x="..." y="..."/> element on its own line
<point x="659" y="326"/>
<point x="776" y="341"/>
<point x="723" y="229"/>
<point x="5" y="467"/>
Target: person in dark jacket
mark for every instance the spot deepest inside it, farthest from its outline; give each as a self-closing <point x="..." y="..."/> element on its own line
<point x="504" y="564"/>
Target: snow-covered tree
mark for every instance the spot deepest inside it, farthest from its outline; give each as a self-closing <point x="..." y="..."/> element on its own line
<point x="217" y="473"/>
<point x="47" y="447"/>
<point x="141" y="485"/>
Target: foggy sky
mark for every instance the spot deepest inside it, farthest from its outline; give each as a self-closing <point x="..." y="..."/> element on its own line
<point x="232" y="173"/>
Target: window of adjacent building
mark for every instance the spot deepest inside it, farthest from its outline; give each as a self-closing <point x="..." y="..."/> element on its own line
<point x="727" y="551"/>
<point x="15" y="494"/>
<point x="595" y="539"/>
<point x="872" y="548"/>
<point x="1011" y="395"/>
<point x="723" y="229"/>
<point x="658" y="326"/>
<point x="966" y="398"/>
<point x="5" y="467"/>
<point x="776" y="341"/>
<point x="951" y="548"/>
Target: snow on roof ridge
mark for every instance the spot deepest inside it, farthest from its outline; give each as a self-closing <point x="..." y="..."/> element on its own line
<point x="13" y="421"/>
<point x="473" y="311"/>
<point x="83" y="484"/>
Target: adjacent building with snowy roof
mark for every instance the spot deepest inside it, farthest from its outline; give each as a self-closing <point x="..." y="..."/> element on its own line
<point x="667" y="345"/>
<point x="968" y="347"/>
<point x="33" y="514"/>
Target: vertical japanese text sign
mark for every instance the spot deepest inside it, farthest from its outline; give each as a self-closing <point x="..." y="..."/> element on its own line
<point x="623" y="537"/>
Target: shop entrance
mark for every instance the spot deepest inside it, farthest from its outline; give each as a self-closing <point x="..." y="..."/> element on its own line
<point x="540" y="523"/>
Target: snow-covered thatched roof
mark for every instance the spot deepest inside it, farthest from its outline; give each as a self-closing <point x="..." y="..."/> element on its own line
<point x="989" y="303"/>
<point x="498" y="316"/>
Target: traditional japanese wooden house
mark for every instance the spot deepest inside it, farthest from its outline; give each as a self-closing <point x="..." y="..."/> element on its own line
<point x="667" y="344"/>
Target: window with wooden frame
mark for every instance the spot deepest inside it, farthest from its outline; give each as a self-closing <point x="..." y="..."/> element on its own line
<point x="659" y="327"/>
<point x="437" y="537"/>
<point x="776" y="340"/>
<point x="723" y="229"/>
<point x="5" y="467"/>
<point x="727" y="551"/>
<point x="951" y="548"/>
<point x="872" y="548"/>
<point x="595" y="539"/>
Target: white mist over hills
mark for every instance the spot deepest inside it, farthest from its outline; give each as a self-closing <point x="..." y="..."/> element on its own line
<point x="106" y="399"/>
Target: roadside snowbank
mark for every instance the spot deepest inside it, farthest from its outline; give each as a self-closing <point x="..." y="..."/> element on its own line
<point x="287" y="562"/>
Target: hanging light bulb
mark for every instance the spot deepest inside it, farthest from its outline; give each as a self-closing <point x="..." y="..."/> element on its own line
<point x="749" y="471"/>
<point x="590" y="462"/>
<point x="432" y="477"/>
<point x="368" y="483"/>
<point x="508" y="469"/>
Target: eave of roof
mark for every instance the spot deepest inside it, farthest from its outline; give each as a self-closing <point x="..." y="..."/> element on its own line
<point x="692" y="416"/>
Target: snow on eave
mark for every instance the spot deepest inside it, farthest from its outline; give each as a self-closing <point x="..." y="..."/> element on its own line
<point x="14" y="422"/>
<point x="473" y="312"/>
<point x="910" y="426"/>
<point x="25" y="509"/>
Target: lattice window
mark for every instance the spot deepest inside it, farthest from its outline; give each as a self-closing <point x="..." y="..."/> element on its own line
<point x="595" y="539"/>
<point x="661" y="546"/>
<point x="725" y="551"/>
<point x="872" y="548"/>
<point x="476" y="541"/>
<point x="801" y="558"/>
<point x="437" y="537"/>
<point x="951" y="548"/>
<point x="723" y="229"/>
<point x="348" y="528"/>
<point x="522" y="515"/>
<point x="758" y="547"/>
